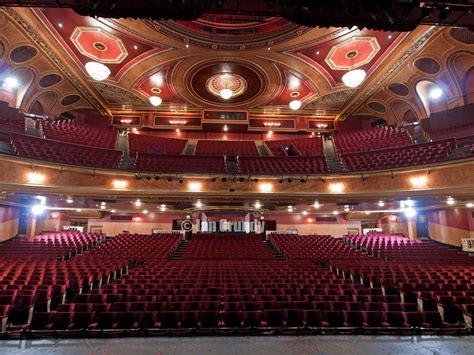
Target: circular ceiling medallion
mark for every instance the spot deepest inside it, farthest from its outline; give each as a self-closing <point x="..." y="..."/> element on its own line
<point x="205" y="81"/>
<point x="218" y="82"/>
<point x="377" y="106"/>
<point x="23" y="53"/>
<point x="294" y="94"/>
<point x="463" y="35"/>
<point x="399" y="89"/>
<point x="427" y="65"/>
<point x="156" y="90"/>
<point x="351" y="54"/>
<point x="100" y="46"/>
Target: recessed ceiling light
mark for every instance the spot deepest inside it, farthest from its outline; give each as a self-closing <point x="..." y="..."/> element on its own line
<point x="60" y="25"/>
<point x="135" y="47"/>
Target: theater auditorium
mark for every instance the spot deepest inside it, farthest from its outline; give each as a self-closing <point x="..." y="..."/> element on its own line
<point x="225" y="176"/>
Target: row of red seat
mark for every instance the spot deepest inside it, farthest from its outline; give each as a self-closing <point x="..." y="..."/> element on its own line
<point x="443" y="282"/>
<point x="458" y="132"/>
<point x="391" y="158"/>
<point x="221" y="148"/>
<point x="72" y="132"/>
<point x="282" y="165"/>
<point x="293" y="318"/>
<point x="303" y="146"/>
<point x="227" y="246"/>
<point x="371" y="139"/>
<point x="309" y="247"/>
<point x="141" y="143"/>
<point x="234" y="281"/>
<point x="182" y="164"/>
<point x="65" y="153"/>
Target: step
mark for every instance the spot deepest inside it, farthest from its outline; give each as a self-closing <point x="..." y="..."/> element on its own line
<point x="126" y="163"/>
<point x="6" y="148"/>
<point x="263" y="150"/>
<point x="460" y="152"/>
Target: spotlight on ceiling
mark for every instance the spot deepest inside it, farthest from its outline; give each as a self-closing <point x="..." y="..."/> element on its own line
<point x="97" y="71"/>
<point x="381" y="203"/>
<point x="295" y="104"/>
<point x="316" y="205"/>
<point x="155" y="100"/>
<point x="198" y="204"/>
<point x="258" y="205"/>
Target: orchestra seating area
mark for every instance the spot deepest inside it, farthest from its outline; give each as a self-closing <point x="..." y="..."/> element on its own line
<point x="232" y="283"/>
<point x="371" y="139"/>
<point x="65" y="153"/>
<point x="190" y="164"/>
<point x="75" y="133"/>
<point x="391" y="158"/>
<point x="141" y="143"/>
<point x="214" y="147"/>
<point x="304" y="146"/>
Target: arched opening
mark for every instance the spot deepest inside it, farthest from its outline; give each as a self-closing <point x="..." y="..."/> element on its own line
<point x="45" y="102"/>
<point x="432" y="96"/>
<point x="25" y="77"/>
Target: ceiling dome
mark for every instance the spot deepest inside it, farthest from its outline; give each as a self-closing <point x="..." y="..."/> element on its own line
<point x="230" y="32"/>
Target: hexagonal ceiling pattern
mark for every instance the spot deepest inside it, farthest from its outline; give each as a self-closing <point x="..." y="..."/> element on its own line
<point x="267" y="62"/>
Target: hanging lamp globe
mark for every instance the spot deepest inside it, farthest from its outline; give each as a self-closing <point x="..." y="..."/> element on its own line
<point x="97" y="71"/>
<point x="353" y="78"/>
<point x="226" y="93"/>
<point x="155" y="100"/>
<point x="295" y="104"/>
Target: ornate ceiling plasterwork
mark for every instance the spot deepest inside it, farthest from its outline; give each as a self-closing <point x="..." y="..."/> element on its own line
<point x="272" y="62"/>
<point x="51" y="54"/>
<point x="332" y="101"/>
<point x="117" y="96"/>
<point x="226" y="32"/>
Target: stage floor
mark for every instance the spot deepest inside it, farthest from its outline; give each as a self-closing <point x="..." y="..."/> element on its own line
<point x="357" y="344"/>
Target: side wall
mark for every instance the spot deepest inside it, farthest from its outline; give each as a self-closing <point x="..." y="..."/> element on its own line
<point x="9" y="217"/>
<point x="451" y="225"/>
